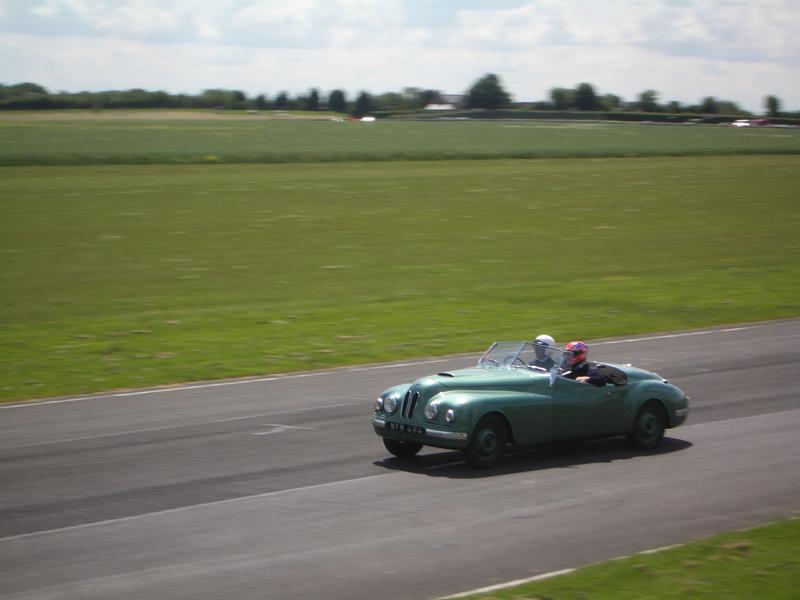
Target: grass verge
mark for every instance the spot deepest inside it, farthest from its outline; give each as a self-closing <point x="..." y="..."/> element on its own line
<point x="758" y="563"/>
<point x="120" y="277"/>
<point x="115" y="140"/>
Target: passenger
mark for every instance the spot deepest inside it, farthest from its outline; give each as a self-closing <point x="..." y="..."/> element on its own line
<point x="580" y="369"/>
<point x="543" y="359"/>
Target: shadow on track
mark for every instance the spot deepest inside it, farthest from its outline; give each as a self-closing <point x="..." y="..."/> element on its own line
<point x="559" y="456"/>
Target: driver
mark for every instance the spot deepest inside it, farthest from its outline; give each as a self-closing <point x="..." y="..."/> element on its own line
<point x="540" y="346"/>
<point x="580" y="369"/>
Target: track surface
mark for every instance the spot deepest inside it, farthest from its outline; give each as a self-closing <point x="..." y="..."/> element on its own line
<point x="277" y="487"/>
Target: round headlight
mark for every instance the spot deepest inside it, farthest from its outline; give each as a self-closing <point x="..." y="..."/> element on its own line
<point x="390" y="404"/>
<point x="450" y="415"/>
<point x="379" y="405"/>
<point x="431" y="410"/>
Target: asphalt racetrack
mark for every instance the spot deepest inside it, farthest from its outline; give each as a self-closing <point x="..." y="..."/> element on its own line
<point x="278" y="488"/>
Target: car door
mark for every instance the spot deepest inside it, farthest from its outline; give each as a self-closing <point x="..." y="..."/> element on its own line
<point x="582" y="410"/>
<point x="531" y="415"/>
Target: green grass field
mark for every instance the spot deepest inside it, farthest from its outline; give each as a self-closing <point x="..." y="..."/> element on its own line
<point x="758" y="563"/>
<point x="127" y="276"/>
<point x="80" y="139"/>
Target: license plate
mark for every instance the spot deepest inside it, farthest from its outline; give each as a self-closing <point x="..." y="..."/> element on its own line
<point x="402" y="427"/>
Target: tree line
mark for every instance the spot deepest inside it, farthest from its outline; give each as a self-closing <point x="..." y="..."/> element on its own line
<point x="31" y="96"/>
<point x="487" y="93"/>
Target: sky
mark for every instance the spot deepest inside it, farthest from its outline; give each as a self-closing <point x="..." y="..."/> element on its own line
<point x="685" y="50"/>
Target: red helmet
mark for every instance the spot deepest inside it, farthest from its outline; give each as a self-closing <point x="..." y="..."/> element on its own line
<point x="579" y="351"/>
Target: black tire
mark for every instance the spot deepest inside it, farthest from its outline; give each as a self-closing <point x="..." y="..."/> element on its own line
<point x="648" y="426"/>
<point x="487" y="442"/>
<point x="402" y="449"/>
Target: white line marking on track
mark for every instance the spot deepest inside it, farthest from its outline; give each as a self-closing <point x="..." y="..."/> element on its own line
<point x="508" y="584"/>
<point x="668" y="336"/>
<point x="661" y="549"/>
<point x="199" y="386"/>
<point x="500" y="586"/>
<point x="278" y="428"/>
<point x="192" y="507"/>
<point x="288" y="491"/>
<point x="181" y="426"/>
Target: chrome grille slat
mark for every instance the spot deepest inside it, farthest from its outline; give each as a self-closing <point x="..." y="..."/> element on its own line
<point x="414" y="399"/>
<point x="405" y="403"/>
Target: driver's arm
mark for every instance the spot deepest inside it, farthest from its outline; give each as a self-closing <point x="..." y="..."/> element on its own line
<point x="593" y="378"/>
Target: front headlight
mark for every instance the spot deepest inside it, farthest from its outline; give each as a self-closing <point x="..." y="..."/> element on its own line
<point x="431" y="410"/>
<point x="390" y="404"/>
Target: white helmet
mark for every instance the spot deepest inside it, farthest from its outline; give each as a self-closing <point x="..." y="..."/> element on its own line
<point x="545" y="340"/>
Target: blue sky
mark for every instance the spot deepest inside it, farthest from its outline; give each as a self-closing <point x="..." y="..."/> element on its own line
<point x="684" y="49"/>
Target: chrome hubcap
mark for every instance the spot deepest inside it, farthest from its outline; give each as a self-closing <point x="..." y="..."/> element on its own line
<point x="648" y="425"/>
<point x="487" y="441"/>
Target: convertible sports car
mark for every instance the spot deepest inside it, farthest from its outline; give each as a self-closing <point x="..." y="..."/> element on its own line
<point x="507" y="398"/>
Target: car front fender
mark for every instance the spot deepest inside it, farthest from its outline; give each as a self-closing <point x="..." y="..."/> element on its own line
<point x="672" y="399"/>
<point x="529" y="416"/>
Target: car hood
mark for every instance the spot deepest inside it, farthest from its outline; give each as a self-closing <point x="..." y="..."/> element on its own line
<point x="484" y="377"/>
<point x="636" y="374"/>
<point x="478" y="377"/>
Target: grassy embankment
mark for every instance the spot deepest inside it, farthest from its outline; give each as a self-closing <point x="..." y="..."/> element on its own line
<point x="758" y="563"/>
<point x="110" y="137"/>
<point x="130" y="276"/>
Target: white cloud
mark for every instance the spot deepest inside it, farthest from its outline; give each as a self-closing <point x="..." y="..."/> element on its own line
<point x="293" y="19"/>
<point x="685" y="50"/>
<point x="47" y="10"/>
<point x="80" y="8"/>
<point x="317" y="23"/>
<point x="205" y="29"/>
<point x="137" y="18"/>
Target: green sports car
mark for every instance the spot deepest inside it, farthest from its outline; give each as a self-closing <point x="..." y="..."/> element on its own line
<point x="520" y="394"/>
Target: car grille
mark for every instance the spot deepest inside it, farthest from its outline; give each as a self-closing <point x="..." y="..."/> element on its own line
<point x="409" y="404"/>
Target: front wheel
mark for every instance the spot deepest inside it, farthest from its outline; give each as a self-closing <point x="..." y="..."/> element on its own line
<point x="487" y="442"/>
<point x="402" y="449"/>
<point x="648" y="427"/>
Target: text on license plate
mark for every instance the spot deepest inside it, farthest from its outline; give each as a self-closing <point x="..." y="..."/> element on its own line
<point x="415" y="429"/>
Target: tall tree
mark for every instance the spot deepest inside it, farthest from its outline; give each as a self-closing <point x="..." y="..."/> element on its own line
<point x="728" y="107"/>
<point x="312" y="102"/>
<point x="487" y="93"/>
<point x="363" y="105"/>
<point x="389" y="101"/>
<point x="260" y="102"/>
<point x="674" y="107"/>
<point x="611" y="102"/>
<point x="213" y="98"/>
<point x="28" y="88"/>
<point x="414" y="97"/>
<point x="773" y="106"/>
<point x="337" y="101"/>
<point x="709" y="106"/>
<point x="648" y="101"/>
<point x="282" y="101"/>
<point x="562" y="98"/>
<point x="585" y="97"/>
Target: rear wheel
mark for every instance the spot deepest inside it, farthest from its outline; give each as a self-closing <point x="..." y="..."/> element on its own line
<point x="487" y="442"/>
<point x="648" y="427"/>
<point x="402" y="449"/>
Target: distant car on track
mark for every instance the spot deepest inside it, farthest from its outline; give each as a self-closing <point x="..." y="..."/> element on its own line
<point x="505" y="400"/>
<point x="750" y="123"/>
